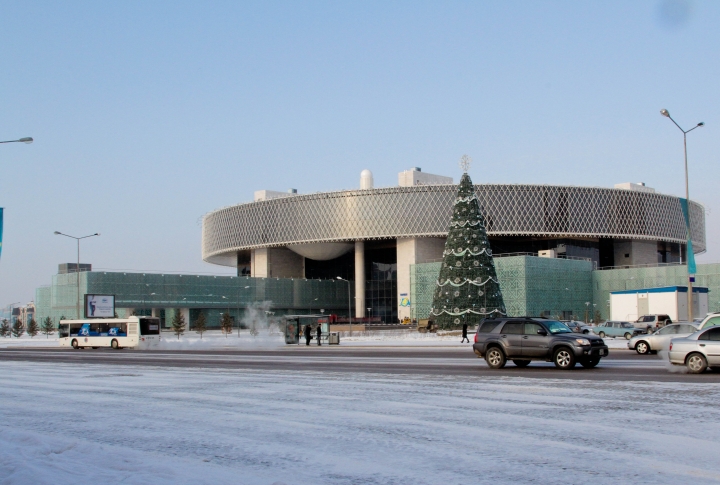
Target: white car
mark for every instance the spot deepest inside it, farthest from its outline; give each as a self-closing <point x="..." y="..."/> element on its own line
<point x="697" y="351"/>
<point x="660" y="340"/>
<point x="710" y="320"/>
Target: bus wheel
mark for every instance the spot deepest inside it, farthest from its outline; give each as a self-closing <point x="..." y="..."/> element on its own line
<point x="114" y="344"/>
<point x="74" y="344"/>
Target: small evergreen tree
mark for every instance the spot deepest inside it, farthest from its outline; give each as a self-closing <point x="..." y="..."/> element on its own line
<point x="18" y="328"/>
<point x="5" y="328"/>
<point x="598" y="317"/>
<point x="33" y="328"/>
<point x="178" y="323"/>
<point x="200" y="324"/>
<point x="226" y="324"/>
<point x="47" y="327"/>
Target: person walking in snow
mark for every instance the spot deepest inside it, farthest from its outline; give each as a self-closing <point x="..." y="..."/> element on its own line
<point x="308" y="335"/>
<point x="464" y="335"/>
<point x="319" y="333"/>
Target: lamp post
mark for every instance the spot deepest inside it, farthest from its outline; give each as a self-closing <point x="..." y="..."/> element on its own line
<point x="594" y="310"/>
<point x="349" y="303"/>
<point x="238" y="308"/>
<point x="666" y="113"/>
<point x="587" y="309"/>
<point x="27" y="140"/>
<point x="58" y="233"/>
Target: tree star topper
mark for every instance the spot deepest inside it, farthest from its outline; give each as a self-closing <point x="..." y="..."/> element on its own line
<point x="465" y="163"/>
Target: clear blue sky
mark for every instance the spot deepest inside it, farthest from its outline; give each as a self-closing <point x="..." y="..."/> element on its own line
<point x="147" y="115"/>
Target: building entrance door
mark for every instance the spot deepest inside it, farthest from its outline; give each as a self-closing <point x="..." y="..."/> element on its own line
<point x="643" y="304"/>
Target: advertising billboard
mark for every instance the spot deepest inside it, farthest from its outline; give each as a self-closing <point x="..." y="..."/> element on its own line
<point x="99" y="306"/>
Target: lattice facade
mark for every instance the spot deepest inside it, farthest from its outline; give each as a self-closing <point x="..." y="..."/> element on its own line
<point x="424" y="211"/>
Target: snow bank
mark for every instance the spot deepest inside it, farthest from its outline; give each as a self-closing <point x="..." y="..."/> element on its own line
<point x="269" y="339"/>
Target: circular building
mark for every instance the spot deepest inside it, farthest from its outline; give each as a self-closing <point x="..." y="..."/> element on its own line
<point x="371" y="236"/>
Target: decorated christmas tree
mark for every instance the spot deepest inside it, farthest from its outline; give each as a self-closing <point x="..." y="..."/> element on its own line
<point x="467" y="289"/>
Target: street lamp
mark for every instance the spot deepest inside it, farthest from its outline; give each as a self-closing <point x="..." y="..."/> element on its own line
<point x="27" y="140"/>
<point x="587" y="309"/>
<point x="349" y="303"/>
<point x="666" y="113"/>
<point x="58" y="233"/>
<point x="238" y="307"/>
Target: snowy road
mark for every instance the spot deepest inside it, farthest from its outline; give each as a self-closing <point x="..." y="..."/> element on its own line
<point x="621" y="365"/>
<point x="99" y="423"/>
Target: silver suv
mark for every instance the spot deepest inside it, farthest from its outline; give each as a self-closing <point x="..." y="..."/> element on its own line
<point x="652" y="322"/>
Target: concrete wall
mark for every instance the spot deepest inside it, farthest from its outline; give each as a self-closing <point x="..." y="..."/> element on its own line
<point x="635" y="252"/>
<point x="276" y="263"/>
<point x="413" y="251"/>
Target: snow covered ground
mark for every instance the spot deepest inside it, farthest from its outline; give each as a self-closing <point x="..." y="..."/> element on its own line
<point x="81" y="424"/>
<point x="272" y="340"/>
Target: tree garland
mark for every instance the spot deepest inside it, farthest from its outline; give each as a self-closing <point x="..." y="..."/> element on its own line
<point x="467" y="289"/>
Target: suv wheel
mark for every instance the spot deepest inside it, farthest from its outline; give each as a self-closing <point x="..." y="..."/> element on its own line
<point x="601" y="334"/>
<point x="642" y="347"/>
<point x="495" y="358"/>
<point x="649" y="330"/>
<point x="564" y="358"/>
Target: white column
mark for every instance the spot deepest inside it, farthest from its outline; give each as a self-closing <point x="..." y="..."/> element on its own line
<point x="413" y="251"/>
<point x="359" y="279"/>
<point x="186" y="314"/>
<point x="259" y="263"/>
<point x="406" y="255"/>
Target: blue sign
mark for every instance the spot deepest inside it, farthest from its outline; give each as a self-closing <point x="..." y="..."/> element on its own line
<point x="692" y="269"/>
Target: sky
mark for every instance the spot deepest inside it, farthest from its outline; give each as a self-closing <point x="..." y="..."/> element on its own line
<point x="148" y="115"/>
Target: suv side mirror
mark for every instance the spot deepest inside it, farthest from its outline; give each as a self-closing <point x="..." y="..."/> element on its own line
<point x="542" y="332"/>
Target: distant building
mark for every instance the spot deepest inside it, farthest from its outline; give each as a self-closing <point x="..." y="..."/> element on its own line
<point x="373" y="236"/>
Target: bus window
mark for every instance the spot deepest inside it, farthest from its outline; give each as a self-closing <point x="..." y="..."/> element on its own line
<point x="149" y="326"/>
<point x="64" y="330"/>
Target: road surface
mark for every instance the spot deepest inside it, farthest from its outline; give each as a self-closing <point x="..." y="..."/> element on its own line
<point x="621" y="365"/>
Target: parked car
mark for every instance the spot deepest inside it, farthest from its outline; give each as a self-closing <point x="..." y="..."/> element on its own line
<point x="524" y="339"/>
<point x="697" y="351"/>
<point x="617" y="329"/>
<point x="650" y="323"/>
<point x="578" y="327"/>
<point x="660" y="340"/>
<point x="710" y="320"/>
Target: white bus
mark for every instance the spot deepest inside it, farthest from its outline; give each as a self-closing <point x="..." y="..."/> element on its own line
<point x="133" y="332"/>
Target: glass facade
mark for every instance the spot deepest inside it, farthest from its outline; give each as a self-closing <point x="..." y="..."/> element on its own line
<point x="530" y="286"/>
<point x="560" y="288"/>
<point x="161" y="294"/>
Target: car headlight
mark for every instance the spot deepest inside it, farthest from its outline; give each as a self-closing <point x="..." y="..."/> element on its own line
<point x="582" y="341"/>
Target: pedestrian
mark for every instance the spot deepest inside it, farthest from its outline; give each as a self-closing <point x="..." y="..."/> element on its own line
<point x="308" y="335"/>
<point x="319" y="333"/>
<point x="465" y="337"/>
